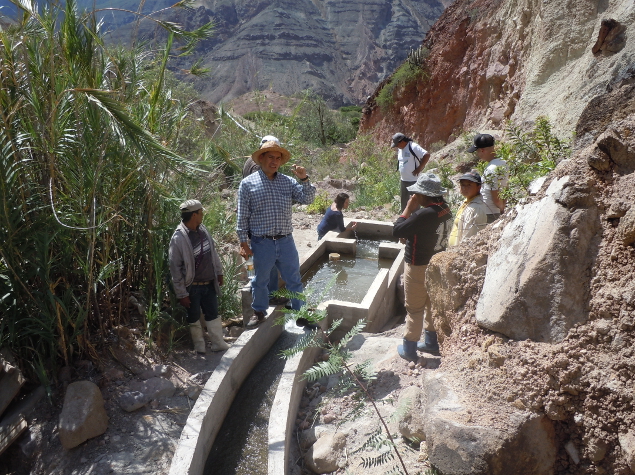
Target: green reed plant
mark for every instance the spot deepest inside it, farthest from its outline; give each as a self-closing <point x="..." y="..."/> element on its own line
<point x="89" y="175"/>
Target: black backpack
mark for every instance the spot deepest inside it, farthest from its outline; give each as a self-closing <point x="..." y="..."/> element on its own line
<point x="412" y="152"/>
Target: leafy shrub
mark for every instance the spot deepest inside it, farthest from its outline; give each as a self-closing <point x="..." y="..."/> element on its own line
<point x="320" y="203"/>
<point x="265" y="117"/>
<point x="529" y="155"/>
<point x="353" y="114"/>
<point x="404" y="75"/>
<point x="375" y="168"/>
<point x="318" y="124"/>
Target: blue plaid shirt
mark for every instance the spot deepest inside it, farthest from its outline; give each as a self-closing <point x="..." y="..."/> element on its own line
<point x="264" y="205"/>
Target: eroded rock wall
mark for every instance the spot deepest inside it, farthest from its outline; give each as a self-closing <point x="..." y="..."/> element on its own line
<point x="493" y="60"/>
<point x="581" y="380"/>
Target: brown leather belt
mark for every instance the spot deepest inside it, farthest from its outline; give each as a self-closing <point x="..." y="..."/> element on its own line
<point x="201" y="283"/>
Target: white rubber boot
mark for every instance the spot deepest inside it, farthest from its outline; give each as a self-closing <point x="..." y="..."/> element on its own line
<point x="197" y="337"/>
<point x="215" y="332"/>
<point x="204" y="326"/>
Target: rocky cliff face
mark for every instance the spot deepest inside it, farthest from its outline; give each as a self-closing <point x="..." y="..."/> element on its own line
<point x="493" y="60"/>
<point x="341" y="50"/>
<point x="535" y="314"/>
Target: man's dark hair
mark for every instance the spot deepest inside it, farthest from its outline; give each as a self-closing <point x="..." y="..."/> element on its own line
<point x="187" y="215"/>
<point x="340" y="200"/>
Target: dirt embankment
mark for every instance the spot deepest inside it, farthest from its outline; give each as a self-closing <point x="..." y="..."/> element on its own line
<point x="494" y="60"/>
<point x="583" y="384"/>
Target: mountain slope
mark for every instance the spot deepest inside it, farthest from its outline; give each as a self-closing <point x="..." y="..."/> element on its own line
<point x="493" y="60"/>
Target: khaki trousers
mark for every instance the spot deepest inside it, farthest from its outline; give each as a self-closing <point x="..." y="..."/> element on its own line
<point x="417" y="302"/>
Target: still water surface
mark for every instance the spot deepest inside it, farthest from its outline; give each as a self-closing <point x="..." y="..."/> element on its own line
<point x="353" y="274"/>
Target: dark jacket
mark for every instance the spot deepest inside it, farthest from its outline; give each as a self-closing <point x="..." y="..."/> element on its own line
<point x="426" y="230"/>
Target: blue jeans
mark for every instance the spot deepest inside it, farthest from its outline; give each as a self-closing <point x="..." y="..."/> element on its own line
<point x="270" y="254"/>
<point x="202" y="296"/>
<point x="273" y="280"/>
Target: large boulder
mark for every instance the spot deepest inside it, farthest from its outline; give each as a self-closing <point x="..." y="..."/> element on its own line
<point x="83" y="415"/>
<point x="411" y="424"/>
<point x="526" y="446"/>
<point x="537" y="281"/>
<point x="323" y="456"/>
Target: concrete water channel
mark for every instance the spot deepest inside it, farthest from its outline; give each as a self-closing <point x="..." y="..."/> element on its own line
<point x="258" y="429"/>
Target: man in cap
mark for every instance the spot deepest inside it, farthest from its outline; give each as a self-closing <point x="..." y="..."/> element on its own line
<point x="264" y="223"/>
<point x="425" y="223"/>
<point x="471" y="216"/>
<point x="249" y="168"/>
<point x="411" y="158"/>
<point x="495" y="176"/>
<point x="197" y="275"/>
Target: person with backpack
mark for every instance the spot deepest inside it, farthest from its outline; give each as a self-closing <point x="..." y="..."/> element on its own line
<point x="425" y="223"/>
<point x="411" y="159"/>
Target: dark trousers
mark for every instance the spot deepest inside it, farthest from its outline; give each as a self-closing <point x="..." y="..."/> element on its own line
<point x="405" y="194"/>
<point x="202" y="296"/>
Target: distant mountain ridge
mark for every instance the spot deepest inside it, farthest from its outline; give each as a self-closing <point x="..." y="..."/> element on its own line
<point x="341" y="50"/>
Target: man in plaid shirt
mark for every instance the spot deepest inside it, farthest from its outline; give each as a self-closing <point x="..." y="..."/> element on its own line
<point x="264" y="223"/>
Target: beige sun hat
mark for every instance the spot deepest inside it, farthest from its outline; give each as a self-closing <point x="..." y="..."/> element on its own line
<point x="271" y="146"/>
<point x="427" y="184"/>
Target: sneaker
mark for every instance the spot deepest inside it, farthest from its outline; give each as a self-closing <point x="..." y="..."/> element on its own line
<point x="278" y="301"/>
<point x="256" y="319"/>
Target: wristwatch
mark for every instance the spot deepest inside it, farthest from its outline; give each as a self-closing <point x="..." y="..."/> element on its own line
<point x="305" y="178"/>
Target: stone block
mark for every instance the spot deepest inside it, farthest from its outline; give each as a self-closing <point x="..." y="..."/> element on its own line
<point x="133" y="400"/>
<point x="527" y="446"/>
<point x="324" y="454"/>
<point x="627" y="443"/>
<point x="617" y="148"/>
<point x="83" y="414"/>
<point x="412" y="422"/>
<point x="536" y="283"/>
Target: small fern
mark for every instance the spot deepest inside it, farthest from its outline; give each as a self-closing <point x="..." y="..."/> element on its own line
<point x="381" y="459"/>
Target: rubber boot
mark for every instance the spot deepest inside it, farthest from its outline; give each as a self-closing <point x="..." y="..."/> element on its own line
<point x="197" y="337"/>
<point x="408" y="350"/>
<point x="204" y="326"/>
<point x="215" y="332"/>
<point x="430" y="343"/>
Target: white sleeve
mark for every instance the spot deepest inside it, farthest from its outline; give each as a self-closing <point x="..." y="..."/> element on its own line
<point x="418" y="150"/>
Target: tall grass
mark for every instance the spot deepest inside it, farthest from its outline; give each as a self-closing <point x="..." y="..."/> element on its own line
<point x="90" y="177"/>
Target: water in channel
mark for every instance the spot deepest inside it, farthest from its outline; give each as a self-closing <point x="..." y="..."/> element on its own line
<point x="241" y="446"/>
<point x="353" y="274"/>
